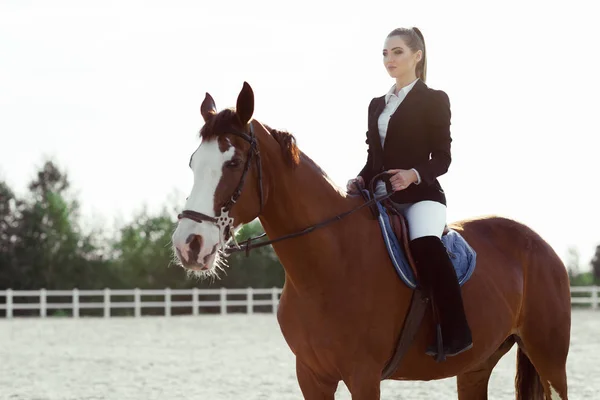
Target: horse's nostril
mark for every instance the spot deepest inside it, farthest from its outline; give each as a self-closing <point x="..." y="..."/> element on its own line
<point x="195" y="243"/>
<point x="190" y="238"/>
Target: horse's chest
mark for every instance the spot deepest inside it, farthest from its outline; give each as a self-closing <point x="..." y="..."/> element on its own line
<point x="314" y="334"/>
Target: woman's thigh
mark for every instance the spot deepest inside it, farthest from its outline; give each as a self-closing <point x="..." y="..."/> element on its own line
<point x="425" y="218"/>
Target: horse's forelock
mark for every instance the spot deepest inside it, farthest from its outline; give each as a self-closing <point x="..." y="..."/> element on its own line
<point x="219" y="124"/>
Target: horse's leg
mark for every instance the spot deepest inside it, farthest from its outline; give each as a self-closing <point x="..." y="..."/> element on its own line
<point x="473" y="385"/>
<point x="549" y="359"/>
<point x="312" y="386"/>
<point x="365" y="383"/>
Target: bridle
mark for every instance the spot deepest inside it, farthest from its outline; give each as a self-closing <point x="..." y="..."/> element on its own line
<point x="225" y="223"/>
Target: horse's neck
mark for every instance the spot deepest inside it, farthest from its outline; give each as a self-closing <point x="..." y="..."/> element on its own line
<point x="298" y="199"/>
<point x="301" y="197"/>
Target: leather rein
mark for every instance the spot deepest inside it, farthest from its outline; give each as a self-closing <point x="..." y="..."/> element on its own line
<point x="225" y="223"/>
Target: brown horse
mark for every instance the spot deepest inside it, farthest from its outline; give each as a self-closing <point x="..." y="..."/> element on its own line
<point x="343" y="306"/>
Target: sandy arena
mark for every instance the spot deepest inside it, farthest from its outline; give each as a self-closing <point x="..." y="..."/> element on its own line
<point x="211" y="357"/>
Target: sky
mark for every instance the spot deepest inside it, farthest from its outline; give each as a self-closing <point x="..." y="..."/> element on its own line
<point x="111" y="91"/>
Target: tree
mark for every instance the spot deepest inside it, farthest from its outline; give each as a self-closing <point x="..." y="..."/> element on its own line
<point x="142" y="254"/>
<point x="572" y="263"/>
<point x="50" y="251"/>
<point x="143" y="257"/>
<point x="596" y="265"/>
<point x="42" y="245"/>
<point x="8" y="228"/>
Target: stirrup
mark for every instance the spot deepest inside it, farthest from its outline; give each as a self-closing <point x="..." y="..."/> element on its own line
<point x="437" y="351"/>
<point x="432" y="351"/>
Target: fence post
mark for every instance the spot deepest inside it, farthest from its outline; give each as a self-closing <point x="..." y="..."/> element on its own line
<point x="223" y="301"/>
<point x="249" y="301"/>
<point x="275" y="299"/>
<point x="137" y="305"/>
<point x="195" y="301"/>
<point x="75" y="303"/>
<point x="43" y="303"/>
<point x="106" y="303"/>
<point x="167" y="302"/>
<point x="595" y="297"/>
<point x="9" y="303"/>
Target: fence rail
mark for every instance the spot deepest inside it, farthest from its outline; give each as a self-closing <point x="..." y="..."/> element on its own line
<point x="580" y="296"/>
<point x="110" y="299"/>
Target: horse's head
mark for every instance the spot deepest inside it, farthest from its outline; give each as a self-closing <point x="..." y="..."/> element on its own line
<point x="227" y="190"/>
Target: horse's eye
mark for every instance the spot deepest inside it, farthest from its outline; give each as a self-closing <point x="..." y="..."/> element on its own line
<point x="236" y="162"/>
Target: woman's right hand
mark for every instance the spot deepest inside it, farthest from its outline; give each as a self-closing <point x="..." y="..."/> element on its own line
<point x="351" y="187"/>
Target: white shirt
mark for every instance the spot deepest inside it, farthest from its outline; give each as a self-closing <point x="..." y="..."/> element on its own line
<point x="392" y="101"/>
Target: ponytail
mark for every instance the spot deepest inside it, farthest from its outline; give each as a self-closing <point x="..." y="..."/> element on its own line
<point x="422" y="65"/>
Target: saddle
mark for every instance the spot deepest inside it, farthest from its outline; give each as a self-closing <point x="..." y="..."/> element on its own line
<point x="400" y="227"/>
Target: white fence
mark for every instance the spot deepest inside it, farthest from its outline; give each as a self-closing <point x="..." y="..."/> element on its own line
<point x="113" y="299"/>
<point x="584" y="295"/>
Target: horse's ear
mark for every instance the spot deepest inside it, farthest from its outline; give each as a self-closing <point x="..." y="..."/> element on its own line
<point x="208" y="108"/>
<point x="245" y="104"/>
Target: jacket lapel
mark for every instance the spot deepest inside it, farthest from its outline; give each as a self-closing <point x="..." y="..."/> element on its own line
<point x="374" y="139"/>
<point x="412" y="98"/>
<point x="406" y="109"/>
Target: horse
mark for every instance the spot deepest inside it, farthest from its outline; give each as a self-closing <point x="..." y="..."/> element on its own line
<point x="343" y="307"/>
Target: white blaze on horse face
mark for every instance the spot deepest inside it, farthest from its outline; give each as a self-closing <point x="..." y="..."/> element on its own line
<point x="207" y="166"/>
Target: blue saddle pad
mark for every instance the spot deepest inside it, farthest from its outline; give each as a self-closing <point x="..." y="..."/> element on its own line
<point x="462" y="255"/>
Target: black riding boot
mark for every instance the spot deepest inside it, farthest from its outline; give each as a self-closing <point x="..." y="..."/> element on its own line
<point x="438" y="277"/>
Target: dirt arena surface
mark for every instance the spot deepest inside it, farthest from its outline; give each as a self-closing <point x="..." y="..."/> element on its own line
<point x="211" y="357"/>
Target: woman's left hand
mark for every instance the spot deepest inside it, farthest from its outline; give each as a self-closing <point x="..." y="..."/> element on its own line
<point x="402" y="178"/>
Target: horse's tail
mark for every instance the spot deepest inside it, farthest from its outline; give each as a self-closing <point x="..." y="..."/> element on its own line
<point x="527" y="382"/>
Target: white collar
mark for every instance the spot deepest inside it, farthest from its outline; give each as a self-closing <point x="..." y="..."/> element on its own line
<point x="404" y="90"/>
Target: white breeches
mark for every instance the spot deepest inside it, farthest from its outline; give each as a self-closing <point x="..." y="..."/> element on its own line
<point x="425" y="218"/>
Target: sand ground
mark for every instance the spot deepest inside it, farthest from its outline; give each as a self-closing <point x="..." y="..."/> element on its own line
<point x="211" y="357"/>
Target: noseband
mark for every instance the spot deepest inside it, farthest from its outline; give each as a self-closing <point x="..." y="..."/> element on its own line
<point x="223" y="221"/>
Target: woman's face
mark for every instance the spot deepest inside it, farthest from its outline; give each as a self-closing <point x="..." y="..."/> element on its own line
<point x="398" y="58"/>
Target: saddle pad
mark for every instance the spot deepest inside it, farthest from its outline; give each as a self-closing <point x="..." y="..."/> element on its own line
<point x="462" y="255"/>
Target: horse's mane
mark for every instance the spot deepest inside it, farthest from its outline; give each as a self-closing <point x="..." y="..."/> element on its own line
<point x="219" y="124"/>
<point x="287" y="142"/>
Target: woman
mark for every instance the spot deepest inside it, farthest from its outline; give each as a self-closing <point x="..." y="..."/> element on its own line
<point x="409" y="136"/>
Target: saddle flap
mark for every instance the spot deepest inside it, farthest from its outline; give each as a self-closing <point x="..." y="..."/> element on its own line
<point x="400" y="227"/>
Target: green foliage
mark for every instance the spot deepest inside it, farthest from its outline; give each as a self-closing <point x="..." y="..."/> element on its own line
<point x="585" y="279"/>
<point x="572" y="262"/>
<point x="595" y="263"/>
<point x="42" y="245"/>
<point x="8" y="234"/>
<point x="142" y="254"/>
<point x="578" y="278"/>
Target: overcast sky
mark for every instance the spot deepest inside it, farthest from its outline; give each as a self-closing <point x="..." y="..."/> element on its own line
<point x="111" y="91"/>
